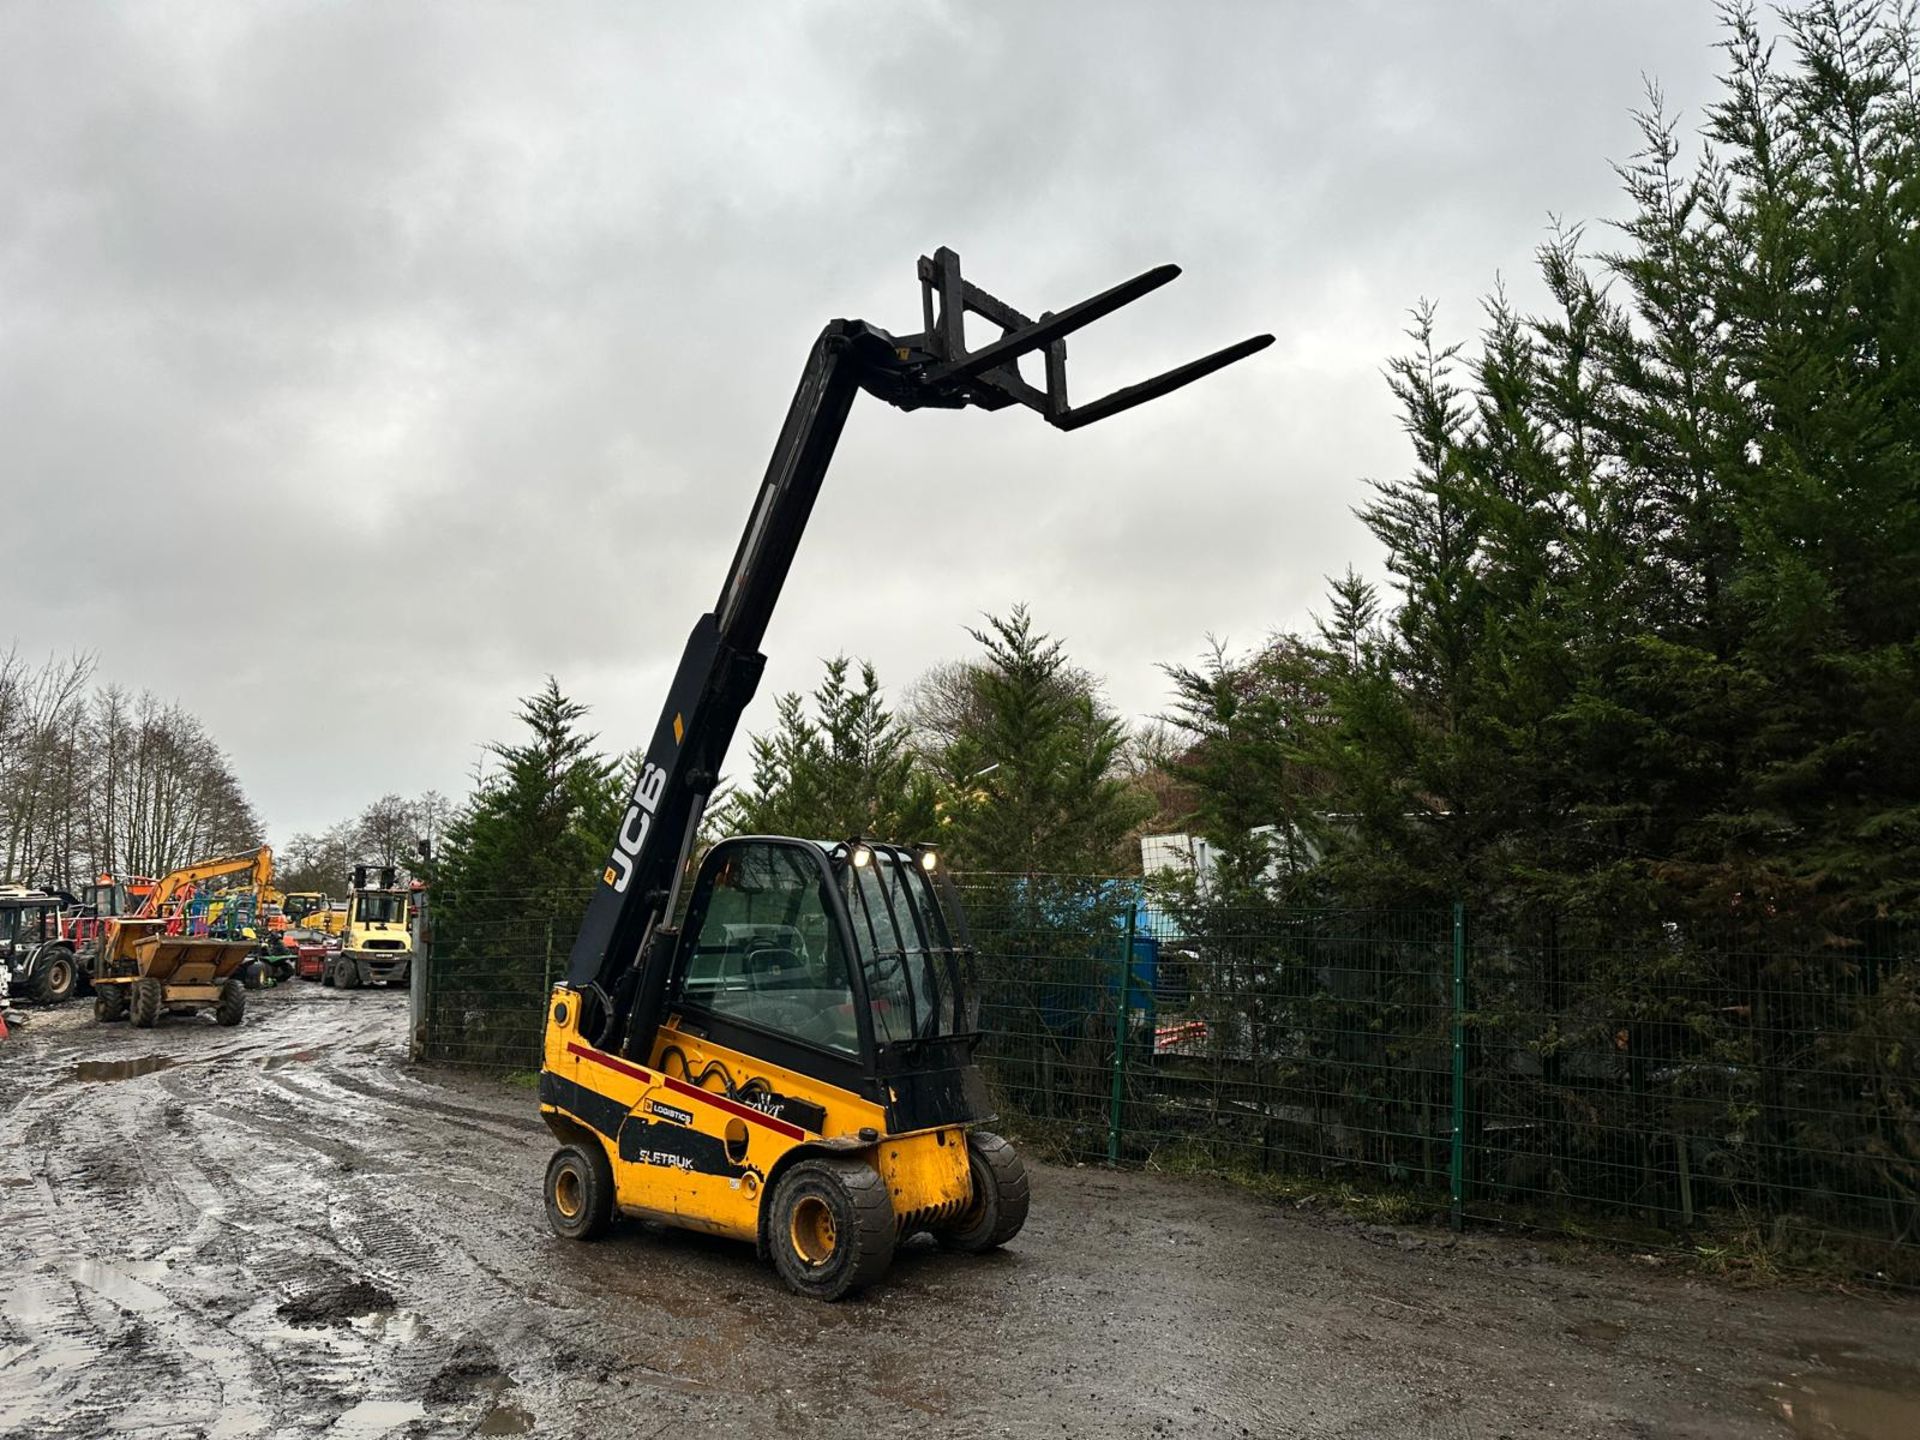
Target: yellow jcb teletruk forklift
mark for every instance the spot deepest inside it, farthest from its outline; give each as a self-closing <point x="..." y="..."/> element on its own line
<point x="792" y="1063"/>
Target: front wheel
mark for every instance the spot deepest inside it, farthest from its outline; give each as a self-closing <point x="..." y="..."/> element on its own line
<point x="832" y="1229"/>
<point x="579" y="1192"/>
<point x="347" y="975"/>
<point x="232" y="1008"/>
<point x="145" y="1003"/>
<point x="999" y="1205"/>
<point x="109" y="1003"/>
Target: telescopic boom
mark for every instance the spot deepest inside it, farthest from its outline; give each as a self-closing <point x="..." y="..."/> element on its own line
<point x="619" y="960"/>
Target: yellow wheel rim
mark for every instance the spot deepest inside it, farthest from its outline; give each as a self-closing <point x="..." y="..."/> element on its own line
<point x="812" y="1230"/>
<point x="567" y="1197"/>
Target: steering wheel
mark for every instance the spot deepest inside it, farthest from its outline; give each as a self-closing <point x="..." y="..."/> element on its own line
<point x="763" y="959"/>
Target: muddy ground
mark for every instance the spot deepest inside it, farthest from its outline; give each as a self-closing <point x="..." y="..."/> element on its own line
<point x="287" y="1230"/>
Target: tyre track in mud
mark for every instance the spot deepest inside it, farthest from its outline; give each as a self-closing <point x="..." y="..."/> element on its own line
<point x="285" y="1230"/>
<point x="208" y="1205"/>
<point x="291" y="1167"/>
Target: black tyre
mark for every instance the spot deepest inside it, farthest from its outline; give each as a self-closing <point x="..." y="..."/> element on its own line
<point x="56" y="978"/>
<point x="144" y="1005"/>
<point x="999" y="1205"/>
<point x="347" y="974"/>
<point x="232" y="1008"/>
<point x="831" y="1230"/>
<point x="109" y="1003"/>
<point x="579" y="1192"/>
<point x="326" y="973"/>
<point x="250" y="975"/>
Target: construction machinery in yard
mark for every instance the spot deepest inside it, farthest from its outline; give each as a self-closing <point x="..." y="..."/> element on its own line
<point x="173" y="893"/>
<point x="312" y="958"/>
<point x="791" y="1064"/>
<point x="376" y="946"/>
<point x="36" y="951"/>
<point x="148" y="964"/>
<point x="142" y="972"/>
<point x="328" y="918"/>
<point x="298" y="905"/>
<point x="101" y="900"/>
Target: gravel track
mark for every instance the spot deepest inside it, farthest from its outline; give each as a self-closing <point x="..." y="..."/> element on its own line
<point x="285" y="1230"/>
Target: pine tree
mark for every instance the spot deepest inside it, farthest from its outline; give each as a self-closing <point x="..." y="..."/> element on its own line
<point x="846" y="769"/>
<point x="1030" y="767"/>
<point x="535" y="832"/>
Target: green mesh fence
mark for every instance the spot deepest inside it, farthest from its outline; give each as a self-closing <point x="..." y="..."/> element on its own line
<point x="1659" y="1082"/>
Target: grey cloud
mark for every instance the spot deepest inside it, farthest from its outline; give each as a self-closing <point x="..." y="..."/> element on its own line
<point x="361" y="364"/>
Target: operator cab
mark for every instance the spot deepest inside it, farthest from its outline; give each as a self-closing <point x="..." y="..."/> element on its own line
<point x="299" y="905"/>
<point x="28" y="918"/>
<point x="35" y="955"/>
<point x="378" y="909"/>
<point x="845" y="961"/>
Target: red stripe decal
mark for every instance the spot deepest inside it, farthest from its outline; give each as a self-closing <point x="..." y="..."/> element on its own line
<point x="692" y="1092"/>
<point x="588" y="1053"/>
<point x="734" y="1107"/>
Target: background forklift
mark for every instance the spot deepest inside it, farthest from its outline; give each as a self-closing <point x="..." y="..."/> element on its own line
<point x="376" y="946"/>
<point x="793" y="1064"/>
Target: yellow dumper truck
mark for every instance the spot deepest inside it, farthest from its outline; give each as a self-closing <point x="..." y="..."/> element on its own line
<point x="153" y="962"/>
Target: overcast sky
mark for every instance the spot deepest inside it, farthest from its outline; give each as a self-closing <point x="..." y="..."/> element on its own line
<point x="361" y="365"/>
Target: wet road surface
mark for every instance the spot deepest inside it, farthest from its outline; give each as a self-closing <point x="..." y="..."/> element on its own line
<point x="285" y="1230"/>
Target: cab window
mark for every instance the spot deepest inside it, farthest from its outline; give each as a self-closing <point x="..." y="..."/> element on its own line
<point x="766" y="951"/>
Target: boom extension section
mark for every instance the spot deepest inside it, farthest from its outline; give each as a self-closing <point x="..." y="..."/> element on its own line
<point x="618" y="962"/>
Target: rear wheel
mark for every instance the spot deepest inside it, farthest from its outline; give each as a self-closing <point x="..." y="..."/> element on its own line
<point x="56" y="978"/>
<point x="250" y="975"/>
<point x="831" y="1230"/>
<point x="579" y="1192"/>
<point x="999" y="1205"/>
<point x="109" y="1003"/>
<point x="232" y="1008"/>
<point x="145" y="1003"/>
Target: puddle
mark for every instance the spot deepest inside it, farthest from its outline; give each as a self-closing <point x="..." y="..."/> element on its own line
<point x="120" y="1069"/>
<point x="505" y="1419"/>
<point x="124" y="1283"/>
<point x="1851" y="1400"/>
<point x="398" y="1327"/>
<point x="371" y="1418"/>
<point x="31" y="1305"/>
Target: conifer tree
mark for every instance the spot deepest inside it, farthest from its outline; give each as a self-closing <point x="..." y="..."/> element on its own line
<point x="844" y="770"/>
<point x="1030" y="772"/>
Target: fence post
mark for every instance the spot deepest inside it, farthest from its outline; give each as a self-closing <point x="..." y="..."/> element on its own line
<point x="1120" y="1015"/>
<point x="419" y="978"/>
<point x="1457" y="1161"/>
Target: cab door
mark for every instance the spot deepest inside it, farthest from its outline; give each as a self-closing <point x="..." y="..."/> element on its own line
<point x="763" y="966"/>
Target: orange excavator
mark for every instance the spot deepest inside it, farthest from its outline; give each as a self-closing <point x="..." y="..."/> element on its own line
<point x="146" y="964"/>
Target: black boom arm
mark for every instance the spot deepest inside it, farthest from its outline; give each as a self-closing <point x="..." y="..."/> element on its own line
<point x="619" y="960"/>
